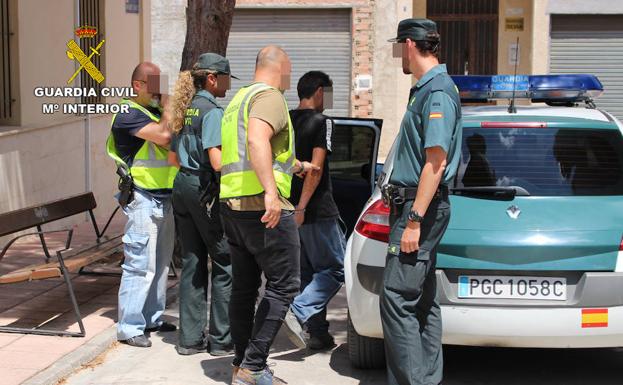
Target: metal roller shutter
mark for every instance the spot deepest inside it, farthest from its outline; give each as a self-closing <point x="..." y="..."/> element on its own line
<point x="314" y="39"/>
<point x="593" y="45"/>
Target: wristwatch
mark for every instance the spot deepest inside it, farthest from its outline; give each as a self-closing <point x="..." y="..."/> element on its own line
<point x="415" y="217"/>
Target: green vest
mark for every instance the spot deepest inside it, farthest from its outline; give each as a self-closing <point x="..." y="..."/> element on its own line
<point x="238" y="179"/>
<point x="150" y="169"/>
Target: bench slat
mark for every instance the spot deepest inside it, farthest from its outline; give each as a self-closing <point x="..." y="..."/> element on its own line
<point x="29" y="217"/>
<point x="52" y="269"/>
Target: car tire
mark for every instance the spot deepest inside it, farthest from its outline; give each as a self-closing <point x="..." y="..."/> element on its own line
<point x="365" y="352"/>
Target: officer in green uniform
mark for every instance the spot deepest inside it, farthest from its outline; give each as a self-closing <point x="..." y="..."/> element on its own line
<point x="425" y="161"/>
<point x="195" y="148"/>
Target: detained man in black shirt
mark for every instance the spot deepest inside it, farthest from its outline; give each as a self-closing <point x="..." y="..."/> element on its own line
<point x="322" y="240"/>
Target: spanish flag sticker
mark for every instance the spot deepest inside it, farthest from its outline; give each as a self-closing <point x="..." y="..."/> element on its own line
<point x="435" y="115"/>
<point x="594" y="318"/>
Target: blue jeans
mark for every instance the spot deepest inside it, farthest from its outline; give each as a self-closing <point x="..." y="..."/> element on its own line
<point x="148" y="247"/>
<point x="322" y="272"/>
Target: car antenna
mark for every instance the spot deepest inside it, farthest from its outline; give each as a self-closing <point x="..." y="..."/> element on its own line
<point x="511" y="108"/>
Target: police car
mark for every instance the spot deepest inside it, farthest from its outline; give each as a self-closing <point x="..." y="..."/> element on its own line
<point x="533" y="255"/>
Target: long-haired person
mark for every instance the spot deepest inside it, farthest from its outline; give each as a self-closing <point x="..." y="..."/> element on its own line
<point x="196" y="150"/>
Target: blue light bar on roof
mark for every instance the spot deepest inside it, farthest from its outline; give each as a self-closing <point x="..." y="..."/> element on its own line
<point x="538" y="88"/>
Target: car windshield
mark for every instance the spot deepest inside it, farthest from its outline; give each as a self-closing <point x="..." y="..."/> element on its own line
<point x="543" y="161"/>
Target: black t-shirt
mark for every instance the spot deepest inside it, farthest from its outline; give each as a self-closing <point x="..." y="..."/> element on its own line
<point x="124" y="129"/>
<point x="313" y="129"/>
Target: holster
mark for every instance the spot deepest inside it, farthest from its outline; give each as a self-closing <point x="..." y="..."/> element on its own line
<point x="126" y="186"/>
<point x="208" y="195"/>
<point x="391" y="198"/>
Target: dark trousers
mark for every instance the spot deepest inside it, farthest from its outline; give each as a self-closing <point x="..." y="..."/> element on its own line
<point x="200" y="236"/>
<point x="410" y="310"/>
<point x="256" y="250"/>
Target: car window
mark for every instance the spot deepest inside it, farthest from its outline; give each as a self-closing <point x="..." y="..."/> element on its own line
<point x="352" y="150"/>
<point x="545" y="162"/>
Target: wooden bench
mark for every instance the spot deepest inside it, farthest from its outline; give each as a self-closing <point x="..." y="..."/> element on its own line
<point x="67" y="260"/>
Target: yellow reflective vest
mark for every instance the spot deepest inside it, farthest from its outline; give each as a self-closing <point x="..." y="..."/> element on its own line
<point x="238" y="179"/>
<point x="150" y="169"/>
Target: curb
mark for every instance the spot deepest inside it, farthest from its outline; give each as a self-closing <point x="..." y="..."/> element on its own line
<point x="74" y="360"/>
<point x="84" y="354"/>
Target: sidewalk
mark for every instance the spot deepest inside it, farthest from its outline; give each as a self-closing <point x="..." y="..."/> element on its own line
<point x="29" y="304"/>
<point x="161" y="365"/>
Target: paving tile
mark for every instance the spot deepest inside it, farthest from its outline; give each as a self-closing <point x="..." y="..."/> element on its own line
<point x="7" y="338"/>
<point x="16" y="376"/>
<point x="45" y="344"/>
<point x="10" y="359"/>
<point x="105" y="299"/>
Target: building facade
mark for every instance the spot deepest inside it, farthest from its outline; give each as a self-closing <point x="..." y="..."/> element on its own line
<point x="44" y="157"/>
<point x="346" y="39"/>
<point x="538" y="36"/>
<point x="49" y="156"/>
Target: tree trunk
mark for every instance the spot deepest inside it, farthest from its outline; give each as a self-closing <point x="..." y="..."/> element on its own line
<point x="207" y="29"/>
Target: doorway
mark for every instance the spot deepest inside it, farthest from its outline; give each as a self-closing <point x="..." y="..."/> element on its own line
<point x="469" y="35"/>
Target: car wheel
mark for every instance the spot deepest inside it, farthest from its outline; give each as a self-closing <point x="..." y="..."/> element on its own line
<point x="365" y="352"/>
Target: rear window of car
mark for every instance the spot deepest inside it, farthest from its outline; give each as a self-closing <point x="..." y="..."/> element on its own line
<point x="544" y="161"/>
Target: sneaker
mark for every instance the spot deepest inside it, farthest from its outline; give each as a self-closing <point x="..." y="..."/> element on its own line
<point x="138" y="341"/>
<point x="163" y="328"/>
<point x="234" y="372"/>
<point x="262" y="377"/>
<point x="294" y="330"/>
<point x="201" y="347"/>
<point x="322" y="341"/>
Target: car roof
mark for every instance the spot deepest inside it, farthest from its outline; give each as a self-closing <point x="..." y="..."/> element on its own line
<point x="525" y="113"/>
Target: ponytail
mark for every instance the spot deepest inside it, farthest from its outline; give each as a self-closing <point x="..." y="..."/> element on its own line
<point x="182" y="96"/>
<point x="188" y="83"/>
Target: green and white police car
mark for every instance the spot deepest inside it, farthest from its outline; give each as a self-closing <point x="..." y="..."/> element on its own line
<point x="533" y="255"/>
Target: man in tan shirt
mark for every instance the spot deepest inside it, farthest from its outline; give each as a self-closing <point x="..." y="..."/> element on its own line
<point x="260" y="227"/>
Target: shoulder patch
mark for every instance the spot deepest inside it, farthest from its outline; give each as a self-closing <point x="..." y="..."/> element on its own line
<point x="329" y="124"/>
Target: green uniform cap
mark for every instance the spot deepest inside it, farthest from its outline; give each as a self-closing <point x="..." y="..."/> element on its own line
<point x="416" y="29"/>
<point x="213" y="62"/>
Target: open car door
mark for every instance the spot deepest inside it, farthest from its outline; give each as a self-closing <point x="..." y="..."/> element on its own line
<point x="355" y="145"/>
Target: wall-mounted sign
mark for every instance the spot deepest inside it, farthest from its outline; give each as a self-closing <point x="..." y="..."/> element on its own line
<point x="513" y="54"/>
<point x="514" y="11"/>
<point x="514" y="24"/>
<point x="131" y="6"/>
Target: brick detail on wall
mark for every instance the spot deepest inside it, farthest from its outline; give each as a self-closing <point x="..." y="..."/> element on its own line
<point x="362" y="40"/>
<point x="363" y="47"/>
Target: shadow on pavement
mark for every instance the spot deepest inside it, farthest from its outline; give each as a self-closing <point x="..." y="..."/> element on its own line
<point x="340" y="364"/>
<point x="218" y="369"/>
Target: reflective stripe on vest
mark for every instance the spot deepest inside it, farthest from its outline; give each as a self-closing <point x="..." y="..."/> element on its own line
<point x="237" y="176"/>
<point x="150" y="168"/>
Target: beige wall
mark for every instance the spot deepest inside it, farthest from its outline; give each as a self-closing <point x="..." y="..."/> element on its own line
<point x="122" y="43"/>
<point x="419" y="8"/>
<point x="391" y="86"/>
<point x="45" y="157"/>
<point x="540" y="38"/>
<point x="44" y="29"/>
<point x="509" y="9"/>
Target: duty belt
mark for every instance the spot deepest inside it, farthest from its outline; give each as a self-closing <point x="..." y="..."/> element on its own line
<point x="397" y="195"/>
